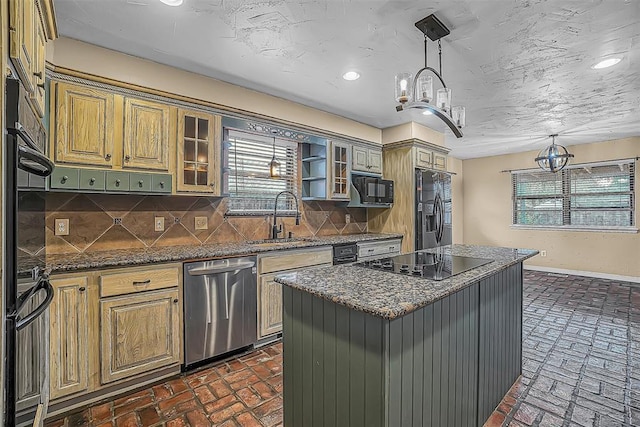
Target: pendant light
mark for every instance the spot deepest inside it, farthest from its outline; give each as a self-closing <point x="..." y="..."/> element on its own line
<point x="553" y="158"/>
<point x="418" y="93"/>
<point x="274" y="164"/>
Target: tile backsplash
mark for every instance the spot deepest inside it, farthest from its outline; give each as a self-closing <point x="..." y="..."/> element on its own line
<point x="101" y="222"/>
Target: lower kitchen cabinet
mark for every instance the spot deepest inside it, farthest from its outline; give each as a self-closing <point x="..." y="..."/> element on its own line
<point x="270" y="292"/>
<point x="139" y="333"/>
<point x="270" y="296"/>
<point x="69" y="330"/>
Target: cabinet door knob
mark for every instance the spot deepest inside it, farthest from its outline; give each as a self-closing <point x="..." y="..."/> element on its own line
<point x="81" y="289"/>
<point x="64" y="179"/>
<point x="127" y="158"/>
<point x="92" y="181"/>
<point x="213" y="184"/>
<point x="117" y="183"/>
<point x="107" y="157"/>
<point x="175" y="301"/>
<point x="161" y="184"/>
<point x="140" y="183"/>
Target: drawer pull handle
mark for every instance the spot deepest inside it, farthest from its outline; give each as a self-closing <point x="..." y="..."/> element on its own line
<point x="161" y="184"/>
<point x="140" y="183"/>
<point x="370" y="250"/>
<point x="92" y="181"/>
<point x="38" y="75"/>
<point x="40" y="85"/>
<point x="64" y="179"/>
<point x="127" y="158"/>
<point x="117" y="183"/>
<point x="107" y="157"/>
<point x="175" y="301"/>
<point x="143" y="282"/>
<point x="81" y="289"/>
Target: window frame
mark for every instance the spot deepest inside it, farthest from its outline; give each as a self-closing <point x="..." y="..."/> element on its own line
<point x="566" y="197"/>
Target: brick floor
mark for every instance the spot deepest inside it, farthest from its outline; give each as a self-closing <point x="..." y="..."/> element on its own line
<point x="581" y="367"/>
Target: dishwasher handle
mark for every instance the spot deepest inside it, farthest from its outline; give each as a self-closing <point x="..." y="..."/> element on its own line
<point x="205" y="271"/>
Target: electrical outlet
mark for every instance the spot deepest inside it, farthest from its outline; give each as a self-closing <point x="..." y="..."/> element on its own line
<point x="159" y="223"/>
<point x="543" y="253"/>
<point x="62" y="227"/>
<point x="201" y="223"/>
<point x="347" y="218"/>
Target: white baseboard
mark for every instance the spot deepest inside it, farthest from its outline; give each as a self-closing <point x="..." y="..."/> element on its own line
<point x="617" y="277"/>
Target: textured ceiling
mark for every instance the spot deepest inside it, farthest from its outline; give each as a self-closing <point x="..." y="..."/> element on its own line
<point x="521" y="68"/>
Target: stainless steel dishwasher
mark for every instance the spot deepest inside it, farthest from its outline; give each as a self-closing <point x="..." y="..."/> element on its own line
<point x="220" y="307"/>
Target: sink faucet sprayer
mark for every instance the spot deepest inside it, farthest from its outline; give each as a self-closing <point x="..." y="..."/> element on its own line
<point x="275" y="230"/>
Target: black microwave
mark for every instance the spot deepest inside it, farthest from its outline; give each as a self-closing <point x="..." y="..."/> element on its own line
<point x="374" y="190"/>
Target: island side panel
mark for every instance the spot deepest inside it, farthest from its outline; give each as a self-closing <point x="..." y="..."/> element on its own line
<point x="332" y="364"/>
<point x="500" y="338"/>
<point x="433" y="361"/>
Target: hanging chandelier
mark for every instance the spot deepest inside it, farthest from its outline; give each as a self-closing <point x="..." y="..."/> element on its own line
<point x="553" y="158"/>
<point x="417" y="92"/>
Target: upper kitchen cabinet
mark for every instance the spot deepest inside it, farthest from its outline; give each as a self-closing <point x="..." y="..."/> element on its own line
<point x="430" y="159"/>
<point x="367" y="159"/>
<point x="340" y="170"/>
<point x="198" y="152"/>
<point x="31" y="24"/>
<point x="147" y="134"/>
<point x="84" y="125"/>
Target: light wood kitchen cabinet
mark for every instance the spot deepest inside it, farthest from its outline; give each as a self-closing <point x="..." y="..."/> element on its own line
<point x="429" y="159"/>
<point x="270" y="296"/>
<point x="69" y="329"/>
<point x="38" y="70"/>
<point x="270" y="292"/>
<point x="139" y="333"/>
<point x="147" y="136"/>
<point x="340" y="170"/>
<point x="22" y="34"/>
<point x="367" y="159"/>
<point x="198" y="150"/>
<point x="84" y="125"/>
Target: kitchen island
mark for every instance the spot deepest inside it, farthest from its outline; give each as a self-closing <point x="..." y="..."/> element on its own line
<point x="366" y="347"/>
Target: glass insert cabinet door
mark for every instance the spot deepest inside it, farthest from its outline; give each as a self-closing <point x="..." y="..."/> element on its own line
<point x="340" y="174"/>
<point x="198" y="151"/>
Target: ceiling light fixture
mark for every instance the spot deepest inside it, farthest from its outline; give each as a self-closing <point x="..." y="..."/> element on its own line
<point x="553" y="158"/>
<point x="351" y="75"/>
<point x="274" y="164"/>
<point x="418" y="93"/>
<point x="605" y="63"/>
<point x="172" y="2"/>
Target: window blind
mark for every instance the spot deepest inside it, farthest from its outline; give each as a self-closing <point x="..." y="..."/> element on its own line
<point x="598" y="195"/>
<point x="251" y="189"/>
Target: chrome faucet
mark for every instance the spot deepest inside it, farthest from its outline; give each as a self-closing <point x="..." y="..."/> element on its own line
<point x="275" y="230"/>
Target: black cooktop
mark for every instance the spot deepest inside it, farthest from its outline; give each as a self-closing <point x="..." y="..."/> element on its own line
<point x="426" y="265"/>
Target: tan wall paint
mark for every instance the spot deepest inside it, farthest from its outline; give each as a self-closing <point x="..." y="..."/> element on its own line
<point x="412" y="130"/>
<point x="488" y="210"/>
<point x="457" y="196"/>
<point x="87" y="58"/>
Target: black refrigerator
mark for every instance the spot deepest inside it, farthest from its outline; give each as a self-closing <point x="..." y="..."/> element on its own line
<point x="433" y="209"/>
<point x="27" y="292"/>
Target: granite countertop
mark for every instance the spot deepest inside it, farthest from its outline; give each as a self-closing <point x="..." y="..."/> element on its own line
<point x="131" y="257"/>
<point x="390" y="295"/>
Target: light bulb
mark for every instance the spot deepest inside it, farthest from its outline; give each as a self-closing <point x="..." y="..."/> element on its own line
<point x="403" y="86"/>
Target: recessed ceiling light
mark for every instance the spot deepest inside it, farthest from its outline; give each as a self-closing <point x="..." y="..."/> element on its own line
<point x="427" y="112"/>
<point x="609" y="62"/>
<point x="172" y="2"/>
<point x="351" y="75"/>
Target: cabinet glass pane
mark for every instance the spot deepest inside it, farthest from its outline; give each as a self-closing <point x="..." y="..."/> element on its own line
<point x="189" y="127"/>
<point x="203" y="151"/>
<point x="203" y="129"/>
<point x="189" y="150"/>
<point x="202" y="177"/>
<point x="189" y="176"/>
